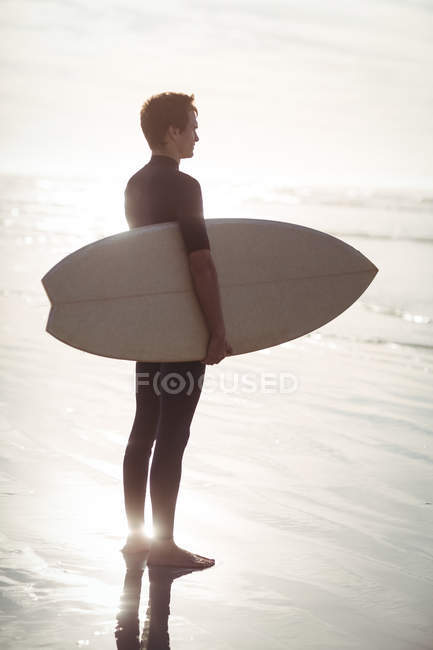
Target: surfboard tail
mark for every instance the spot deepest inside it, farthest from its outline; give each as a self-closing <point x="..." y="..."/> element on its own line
<point x="45" y="283"/>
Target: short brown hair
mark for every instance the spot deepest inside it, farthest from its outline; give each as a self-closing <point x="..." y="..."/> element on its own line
<point x="160" y="111"/>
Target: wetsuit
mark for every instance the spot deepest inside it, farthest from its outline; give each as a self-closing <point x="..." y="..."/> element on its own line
<point x="166" y="393"/>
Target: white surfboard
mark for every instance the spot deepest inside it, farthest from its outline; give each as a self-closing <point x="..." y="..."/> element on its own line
<point x="130" y="295"/>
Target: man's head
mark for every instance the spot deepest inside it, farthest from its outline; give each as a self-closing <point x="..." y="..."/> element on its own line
<point x="169" y="124"/>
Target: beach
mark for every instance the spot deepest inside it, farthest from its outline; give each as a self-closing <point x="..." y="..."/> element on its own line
<point x="313" y="491"/>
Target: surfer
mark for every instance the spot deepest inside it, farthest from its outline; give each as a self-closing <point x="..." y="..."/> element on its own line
<point x="160" y="192"/>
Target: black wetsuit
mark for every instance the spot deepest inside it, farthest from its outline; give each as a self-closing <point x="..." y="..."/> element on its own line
<point x="159" y="192"/>
<point x="166" y="393"/>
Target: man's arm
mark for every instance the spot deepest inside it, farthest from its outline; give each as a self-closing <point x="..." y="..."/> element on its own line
<point x="205" y="281"/>
<point x="203" y="272"/>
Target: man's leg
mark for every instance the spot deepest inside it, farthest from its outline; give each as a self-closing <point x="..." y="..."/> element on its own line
<point x="180" y="387"/>
<point x="139" y="447"/>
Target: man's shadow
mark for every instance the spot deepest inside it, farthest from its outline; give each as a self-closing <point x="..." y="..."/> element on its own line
<point x="155" y="635"/>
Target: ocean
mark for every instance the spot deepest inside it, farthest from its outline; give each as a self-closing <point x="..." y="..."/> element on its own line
<point x="317" y="502"/>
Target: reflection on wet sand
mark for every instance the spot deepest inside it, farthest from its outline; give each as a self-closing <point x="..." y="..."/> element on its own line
<point x="155" y="635"/>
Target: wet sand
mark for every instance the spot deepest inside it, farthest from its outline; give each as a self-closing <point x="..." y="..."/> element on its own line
<point x="314" y="497"/>
<point x="316" y="503"/>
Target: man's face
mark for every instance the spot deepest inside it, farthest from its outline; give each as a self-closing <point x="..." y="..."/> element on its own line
<point x="185" y="141"/>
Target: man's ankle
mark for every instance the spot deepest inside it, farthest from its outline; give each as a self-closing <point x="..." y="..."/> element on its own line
<point x="136" y="532"/>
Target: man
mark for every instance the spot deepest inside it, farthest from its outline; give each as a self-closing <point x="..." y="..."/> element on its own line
<point x="159" y="192"/>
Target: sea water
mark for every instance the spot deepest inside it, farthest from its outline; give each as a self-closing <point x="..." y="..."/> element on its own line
<point x="316" y="503"/>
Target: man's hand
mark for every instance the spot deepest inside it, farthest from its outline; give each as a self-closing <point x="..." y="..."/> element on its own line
<point x="218" y="349"/>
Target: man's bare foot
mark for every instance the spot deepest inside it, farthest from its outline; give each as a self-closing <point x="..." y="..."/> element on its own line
<point x="167" y="553"/>
<point x="137" y="542"/>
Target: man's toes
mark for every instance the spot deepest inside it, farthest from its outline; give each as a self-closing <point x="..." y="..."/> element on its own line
<point x="204" y="560"/>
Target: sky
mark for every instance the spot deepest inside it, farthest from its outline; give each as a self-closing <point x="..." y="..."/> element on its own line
<point x="328" y="92"/>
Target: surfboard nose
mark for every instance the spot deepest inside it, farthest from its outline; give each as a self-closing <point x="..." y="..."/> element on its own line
<point x="363" y="263"/>
<point x="371" y="267"/>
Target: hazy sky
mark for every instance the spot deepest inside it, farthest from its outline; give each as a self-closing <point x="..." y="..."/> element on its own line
<point x="313" y="91"/>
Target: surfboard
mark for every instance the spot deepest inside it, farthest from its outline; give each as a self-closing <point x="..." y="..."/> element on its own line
<point x="131" y="295"/>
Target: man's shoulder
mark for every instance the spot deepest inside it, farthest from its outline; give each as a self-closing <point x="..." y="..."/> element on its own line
<point x="188" y="181"/>
<point x="135" y="179"/>
<point x="180" y="182"/>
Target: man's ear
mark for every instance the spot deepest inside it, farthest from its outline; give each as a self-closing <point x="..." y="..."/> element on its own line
<point x="173" y="130"/>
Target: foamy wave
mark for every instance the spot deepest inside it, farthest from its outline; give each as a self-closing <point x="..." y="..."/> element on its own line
<point x="418" y="319"/>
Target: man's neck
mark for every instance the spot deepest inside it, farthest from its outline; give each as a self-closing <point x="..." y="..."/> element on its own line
<point x="169" y="154"/>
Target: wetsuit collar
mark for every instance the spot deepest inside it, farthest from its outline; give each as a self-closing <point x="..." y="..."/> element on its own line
<point x="167" y="161"/>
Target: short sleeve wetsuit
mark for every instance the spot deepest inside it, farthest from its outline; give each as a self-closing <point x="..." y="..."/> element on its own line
<point x="159" y="192"/>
